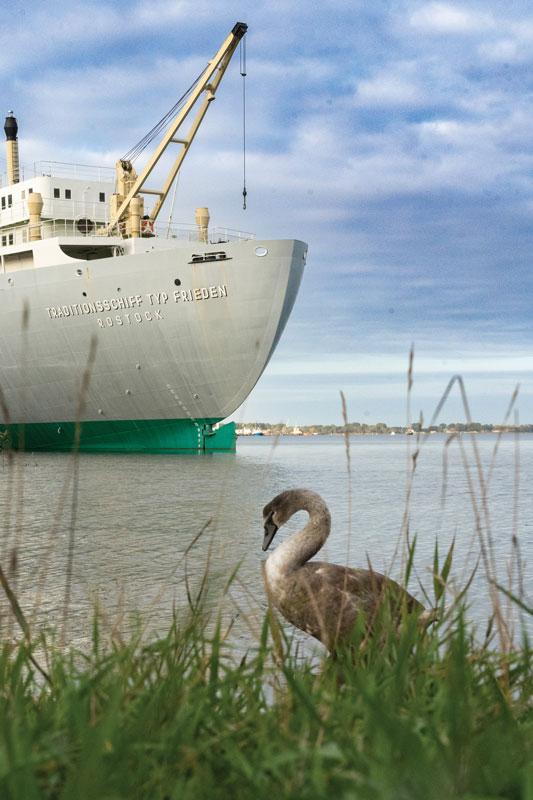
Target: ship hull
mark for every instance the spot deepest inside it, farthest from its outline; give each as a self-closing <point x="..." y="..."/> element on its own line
<point x="146" y="351"/>
<point x="123" y="436"/>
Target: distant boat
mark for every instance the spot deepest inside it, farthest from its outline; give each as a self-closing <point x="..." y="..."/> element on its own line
<point x="297" y="432"/>
<point x="410" y="432"/>
<point x="392" y="433"/>
<point x="257" y="432"/>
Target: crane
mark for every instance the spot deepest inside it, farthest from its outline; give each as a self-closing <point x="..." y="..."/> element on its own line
<point x="127" y="205"/>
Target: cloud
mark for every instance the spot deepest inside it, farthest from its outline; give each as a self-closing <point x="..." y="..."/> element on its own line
<point x="444" y="18"/>
<point x="396" y="86"/>
<point x="160" y="13"/>
<point x="512" y="45"/>
<point x="481" y="363"/>
<point x="316" y="399"/>
<point x="76" y="97"/>
<point x="502" y="50"/>
<point x="30" y="37"/>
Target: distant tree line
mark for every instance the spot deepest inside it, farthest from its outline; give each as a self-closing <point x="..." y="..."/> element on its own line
<point x="358" y="428"/>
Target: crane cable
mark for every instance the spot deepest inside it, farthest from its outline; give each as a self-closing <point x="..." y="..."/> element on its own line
<point x="141" y="145"/>
<point x="242" y="68"/>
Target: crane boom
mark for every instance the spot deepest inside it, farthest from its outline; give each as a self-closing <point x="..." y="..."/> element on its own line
<point x="207" y="84"/>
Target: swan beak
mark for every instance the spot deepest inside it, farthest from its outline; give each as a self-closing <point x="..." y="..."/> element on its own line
<point x="270" y="531"/>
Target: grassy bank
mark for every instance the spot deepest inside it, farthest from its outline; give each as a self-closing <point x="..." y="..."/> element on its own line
<point x="418" y="716"/>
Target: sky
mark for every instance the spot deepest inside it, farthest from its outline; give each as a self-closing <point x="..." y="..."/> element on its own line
<point x="395" y="138"/>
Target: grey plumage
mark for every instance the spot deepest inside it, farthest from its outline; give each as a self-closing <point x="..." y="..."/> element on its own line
<point x="322" y="599"/>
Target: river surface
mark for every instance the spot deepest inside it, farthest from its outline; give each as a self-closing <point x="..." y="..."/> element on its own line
<point x="136" y="517"/>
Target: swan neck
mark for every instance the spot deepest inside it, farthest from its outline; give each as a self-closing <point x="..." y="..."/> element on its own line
<point x="303" y="545"/>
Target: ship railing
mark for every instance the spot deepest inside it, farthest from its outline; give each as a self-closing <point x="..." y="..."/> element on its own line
<point x="54" y="208"/>
<point x="61" y="169"/>
<point x="85" y="172"/>
<point x="85" y="226"/>
<point x="187" y="232"/>
<point x="49" y="229"/>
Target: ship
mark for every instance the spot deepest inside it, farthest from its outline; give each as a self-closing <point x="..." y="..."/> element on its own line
<point x="120" y="331"/>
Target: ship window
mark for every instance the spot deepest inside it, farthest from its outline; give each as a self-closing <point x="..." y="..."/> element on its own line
<point x="102" y="197"/>
<point x="68" y="194"/>
<point x="9" y="200"/>
<point x="30" y="191"/>
<point x="3" y="202"/>
<point x="10" y="238"/>
<point x="57" y="193"/>
<point x="4" y="241"/>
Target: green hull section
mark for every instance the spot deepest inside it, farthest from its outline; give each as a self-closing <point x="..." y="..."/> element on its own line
<point x="123" y="436"/>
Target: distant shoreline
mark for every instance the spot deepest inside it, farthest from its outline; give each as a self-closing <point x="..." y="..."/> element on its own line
<point x="362" y="429"/>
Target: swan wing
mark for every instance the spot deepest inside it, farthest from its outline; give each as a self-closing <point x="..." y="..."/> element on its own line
<point x="325" y="599"/>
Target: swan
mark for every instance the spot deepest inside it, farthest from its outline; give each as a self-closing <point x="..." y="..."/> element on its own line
<point x="322" y="599"/>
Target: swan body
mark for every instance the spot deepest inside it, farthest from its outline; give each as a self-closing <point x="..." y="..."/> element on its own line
<point x="324" y="600"/>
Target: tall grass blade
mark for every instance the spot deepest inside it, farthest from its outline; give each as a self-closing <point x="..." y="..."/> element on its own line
<point x="516" y="600"/>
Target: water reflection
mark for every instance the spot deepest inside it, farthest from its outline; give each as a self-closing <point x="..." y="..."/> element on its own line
<point x="136" y="517"/>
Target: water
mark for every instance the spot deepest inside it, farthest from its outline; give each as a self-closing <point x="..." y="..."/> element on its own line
<point x="136" y="517"/>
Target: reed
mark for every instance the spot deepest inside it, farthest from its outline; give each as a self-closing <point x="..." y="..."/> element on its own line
<point x="432" y="716"/>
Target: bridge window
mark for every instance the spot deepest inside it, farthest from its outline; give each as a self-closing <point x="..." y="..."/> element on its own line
<point x="102" y="197"/>
<point x="68" y="194"/>
<point x="57" y="193"/>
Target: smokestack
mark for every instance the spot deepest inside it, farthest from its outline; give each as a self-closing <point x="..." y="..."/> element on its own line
<point x="12" y="148"/>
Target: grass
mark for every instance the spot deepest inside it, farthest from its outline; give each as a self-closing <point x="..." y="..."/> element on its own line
<point x="432" y="716"/>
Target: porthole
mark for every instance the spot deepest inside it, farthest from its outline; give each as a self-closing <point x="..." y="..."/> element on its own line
<point x="177" y="282"/>
<point x="261" y="251"/>
<point x="79" y="272"/>
<point x="84" y="294"/>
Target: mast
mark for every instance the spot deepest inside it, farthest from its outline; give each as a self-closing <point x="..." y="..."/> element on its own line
<point x="127" y="207"/>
